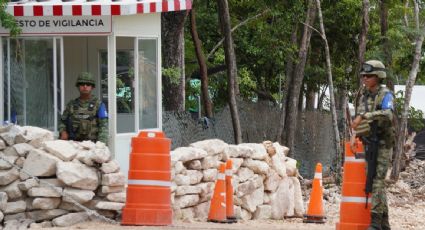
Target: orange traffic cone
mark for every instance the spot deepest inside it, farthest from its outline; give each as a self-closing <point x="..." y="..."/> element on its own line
<point x="315" y="212"/>
<point x="230" y="209"/>
<point x="217" y="211"/>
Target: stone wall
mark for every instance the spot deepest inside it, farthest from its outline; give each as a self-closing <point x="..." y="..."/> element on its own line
<point x="265" y="181"/>
<point x="69" y="172"/>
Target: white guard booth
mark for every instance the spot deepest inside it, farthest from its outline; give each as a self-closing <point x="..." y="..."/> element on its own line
<point x="118" y="42"/>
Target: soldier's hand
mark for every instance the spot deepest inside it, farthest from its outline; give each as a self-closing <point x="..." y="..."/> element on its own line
<point x="64" y="135"/>
<point x="356" y="122"/>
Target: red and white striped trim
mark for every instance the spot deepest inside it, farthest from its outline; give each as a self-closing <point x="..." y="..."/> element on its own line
<point x="95" y="8"/>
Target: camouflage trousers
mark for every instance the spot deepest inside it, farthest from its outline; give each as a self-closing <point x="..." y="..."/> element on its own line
<point x="379" y="187"/>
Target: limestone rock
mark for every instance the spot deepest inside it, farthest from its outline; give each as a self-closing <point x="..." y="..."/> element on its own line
<point x="117" y="197"/>
<point x="298" y="198"/>
<point x="210" y="162"/>
<point x="2" y="144"/>
<point x="8" y="176"/>
<point x="185" y="189"/>
<point x="244" y="174"/>
<point x="101" y="154"/>
<point x="237" y="162"/>
<point x="109" y="205"/>
<point x="77" y="175"/>
<point x="272" y="181"/>
<point x="259" y="152"/>
<point x="40" y="163"/>
<point x="9" y="136"/>
<point x="211" y="146"/>
<point x="3" y="201"/>
<point x="34" y="135"/>
<point x="194" y="165"/>
<point x="44" y="224"/>
<point x="70" y="219"/>
<point x="186" y="201"/>
<point x="7" y="162"/>
<point x="291" y="166"/>
<point x="113" y="179"/>
<point x="110" y="167"/>
<point x="282" y="150"/>
<point x="61" y="149"/>
<point x="280" y="199"/>
<point x="239" y="151"/>
<point x="251" y="201"/>
<point x="40" y="215"/>
<point x="27" y="184"/>
<point x="245" y="215"/>
<point x="201" y="210"/>
<point x="12" y="190"/>
<point x="259" y="167"/>
<point x="45" y="192"/>
<point x="45" y="203"/>
<point x="77" y="195"/>
<point x="194" y="176"/>
<point x="112" y="189"/>
<point x="263" y="212"/>
<point x="15" y="207"/>
<point x="185" y="154"/>
<point x="209" y="175"/>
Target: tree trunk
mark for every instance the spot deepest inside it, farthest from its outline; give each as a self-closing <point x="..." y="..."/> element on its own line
<point x="363" y="36"/>
<point x="310" y="98"/>
<point x="383" y="5"/>
<point x="206" y="102"/>
<point x="292" y="110"/>
<point x="172" y="32"/>
<point x="229" y="52"/>
<point x="401" y="134"/>
<point x="337" y="160"/>
<point x="288" y="79"/>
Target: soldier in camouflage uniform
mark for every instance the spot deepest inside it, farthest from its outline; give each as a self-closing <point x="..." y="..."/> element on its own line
<point x="85" y="118"/>
<point x="376" y="105"/>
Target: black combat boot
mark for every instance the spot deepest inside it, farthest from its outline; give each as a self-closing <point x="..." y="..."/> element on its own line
<point x="385" y="222"/>
<point x="375" y="222"/>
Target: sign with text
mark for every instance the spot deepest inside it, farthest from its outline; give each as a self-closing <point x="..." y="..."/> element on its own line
<point x="63" y="25"/>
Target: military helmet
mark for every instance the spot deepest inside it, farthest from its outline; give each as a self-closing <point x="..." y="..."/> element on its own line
<point x="373" y="67"/>
<point x="85" y="78"/>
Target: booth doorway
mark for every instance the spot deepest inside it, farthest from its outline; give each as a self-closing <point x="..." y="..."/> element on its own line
<point x="137" y="91"/>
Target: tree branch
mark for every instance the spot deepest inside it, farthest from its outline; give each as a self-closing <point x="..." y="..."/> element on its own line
<point x="233" y="29"/>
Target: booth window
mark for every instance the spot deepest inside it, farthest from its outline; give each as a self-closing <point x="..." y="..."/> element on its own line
<point x="148" y="84"/>
<point x="28" y="82"/>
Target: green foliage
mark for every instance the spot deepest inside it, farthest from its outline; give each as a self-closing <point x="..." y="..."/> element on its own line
<point x="415" y="116"/>
<point x="173" y="73"/>
<point x="264" y="49"/>
<point x="7" y="20"/>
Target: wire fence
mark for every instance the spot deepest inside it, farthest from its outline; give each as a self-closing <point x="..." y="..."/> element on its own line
<point x="259" y="122"/>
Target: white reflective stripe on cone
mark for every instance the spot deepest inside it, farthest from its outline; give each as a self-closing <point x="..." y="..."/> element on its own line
<point x="353" y="159"/>
<point x="151" y="182"/>
<point x="318" y="175"/>
<point x="355" y="199"/>
<point x="220" y="176"/>
<point x="228" y="172"/>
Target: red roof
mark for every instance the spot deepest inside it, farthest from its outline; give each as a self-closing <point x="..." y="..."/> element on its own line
<point x="94" y="7"/>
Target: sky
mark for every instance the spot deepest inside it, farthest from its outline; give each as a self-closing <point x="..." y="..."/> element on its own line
<point x="418" y="95"/>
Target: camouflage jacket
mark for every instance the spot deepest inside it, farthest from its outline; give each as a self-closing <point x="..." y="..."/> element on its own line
<point x="85" y="120"/>
<point x="379" y="107"/>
